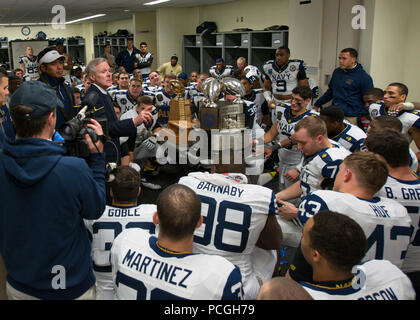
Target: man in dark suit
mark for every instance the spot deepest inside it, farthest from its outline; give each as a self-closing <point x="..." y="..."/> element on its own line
<point x="99" y="74"/>
<point x="128" y="57"/>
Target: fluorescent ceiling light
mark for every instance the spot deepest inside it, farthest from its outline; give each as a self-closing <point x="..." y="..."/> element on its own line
<point x="47" y="23"/>
<point x="86" y="18"/>
<point x="155" y="2"/>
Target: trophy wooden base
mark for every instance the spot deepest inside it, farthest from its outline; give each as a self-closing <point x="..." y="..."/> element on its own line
<point x="177" y="125"/>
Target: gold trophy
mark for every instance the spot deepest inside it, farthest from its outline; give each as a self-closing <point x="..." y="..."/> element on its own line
<point x="180" y="112"/>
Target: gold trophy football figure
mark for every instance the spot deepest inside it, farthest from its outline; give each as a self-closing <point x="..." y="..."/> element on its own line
<point x="179" y="112"/>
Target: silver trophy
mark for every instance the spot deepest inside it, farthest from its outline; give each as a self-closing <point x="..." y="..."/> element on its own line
<point x="211" y="89"/>
<point x="235" y="88"/>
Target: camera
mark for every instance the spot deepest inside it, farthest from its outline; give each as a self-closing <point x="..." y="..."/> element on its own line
<point x="73" y="131"/>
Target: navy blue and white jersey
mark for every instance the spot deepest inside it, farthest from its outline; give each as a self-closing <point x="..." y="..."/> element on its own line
<point x="385" y="222"/>
<point x="351" y="138"/>
<point x="30" y="67"/>
<point x="142" y="130"/>
<point x="252" y="73"/>
<point x="257" y="97"/>
<point x="143" y="270"/>
<point x="408" y="118"/>
<point x="234" y="216"/>
<point x="163" y="104"/>
<point x="151" y="89"/>
<point x="319" y="171"/>
<point x="407" y="193"/>
<point x="82" y="90"/>
<point x="284" y="80"/>
<point x="113" y="92"/>
<point x="125" y="101"/>
<point x="381" y="281"/>
<point x="226" y="72"/>
<point x="144" y="63"/>
<point x="103" y="232"/>
<point x="285" y="124"/>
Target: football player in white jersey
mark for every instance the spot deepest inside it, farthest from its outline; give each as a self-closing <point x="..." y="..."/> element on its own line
<point x="395" y="97"/>
<point x="281" y="76"/>
<point x="334" y="244"/>
<point x="221" y="70"/>
<point x="322" y="158"/>
<point x="385" y="222"/>
<point x="287" y="118"/>
<point x="127" y="99"/>
<point x="123" y="84"/>
<point x="256" y="96"/>
<point x="348" y="135"/>
<point x="390" y="122"/>
<point x="193" y="78"/>
<point x="252" y="73"/>
<point x="144" y="60"/>
<point x="146" y="267"/>
<point x="122" y="214"/>
<point x="196" y="95"/>
<point x="153" y="84"/>
<point x="403" y="185"/>
<point x="239" y="218"/>
<point x="162" y="99"/>
<point x="29" y="64"/>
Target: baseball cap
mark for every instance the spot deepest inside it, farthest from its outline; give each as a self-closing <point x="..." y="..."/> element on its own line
<point x="49" y="56"/>
<point x="174" y="56"/>
<point x="38" y="96"/>
<point x="219" y="60"/>
<point x="183" y="76"/>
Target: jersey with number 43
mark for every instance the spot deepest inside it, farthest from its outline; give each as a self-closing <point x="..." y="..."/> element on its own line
<point x="319" y="171"/>
<point x="143" y="270"/>
<point x="284" y="80"/>
<point x="374" y="280"/>
<point x="407" y="193"/>
<point x="234" y="217"/>
<point x="385" y="222"/>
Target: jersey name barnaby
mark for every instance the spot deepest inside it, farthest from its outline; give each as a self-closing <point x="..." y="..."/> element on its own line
<point x="229" y="190"/>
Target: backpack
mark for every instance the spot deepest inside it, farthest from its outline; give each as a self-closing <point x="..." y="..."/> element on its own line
<point x="206" y="27"/>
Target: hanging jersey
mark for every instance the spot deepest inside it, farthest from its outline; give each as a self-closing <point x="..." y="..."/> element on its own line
<point x="147" y="60"/>
<point x="407" y="193"/>
<point x="286" y="128"/>
<point x="408" y="118"/>
<point x="319" y="171"/>
<point x="103" y="232"/>
<point x="386" y="223"/>
<point x="227" y="71"/>
<point x="351" y="138"/>
<point x="234" y="217"/>
<point x="31" y="67"/>
<point x="163" y="104"/>
<point x="284" y="80"/>
<point x="253" y="74"/>
<point x="382" y="281"/>
<point x="142" y="270"/>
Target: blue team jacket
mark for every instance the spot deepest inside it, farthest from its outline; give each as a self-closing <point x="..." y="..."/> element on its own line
<point x="346" y="89"/>
<point x="44" y="198"/>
